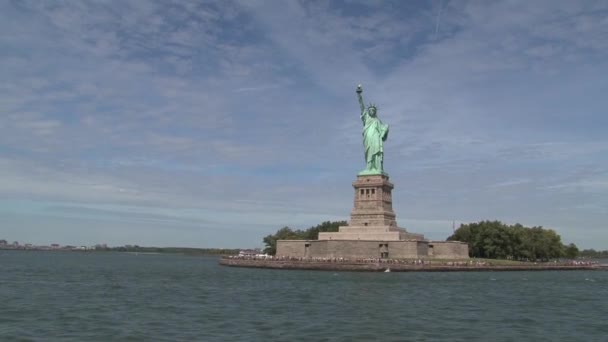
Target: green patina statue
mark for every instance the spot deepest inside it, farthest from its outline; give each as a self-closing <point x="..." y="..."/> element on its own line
<point x="374" y="135"/>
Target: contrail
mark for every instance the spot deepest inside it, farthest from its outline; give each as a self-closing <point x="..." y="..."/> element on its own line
<point x="438" y="18"/>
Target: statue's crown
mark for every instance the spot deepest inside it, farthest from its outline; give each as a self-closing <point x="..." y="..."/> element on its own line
<point x="372" y="105"/>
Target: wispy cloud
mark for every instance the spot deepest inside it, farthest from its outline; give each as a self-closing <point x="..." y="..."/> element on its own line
<point x="243" y="114"/>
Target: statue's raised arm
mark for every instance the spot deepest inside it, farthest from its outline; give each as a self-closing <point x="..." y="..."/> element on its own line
<point x="359" y="91"/>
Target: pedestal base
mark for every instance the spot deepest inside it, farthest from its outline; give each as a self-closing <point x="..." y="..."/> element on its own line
<point x="371" y="233"/>
<point x="375" y="249"/>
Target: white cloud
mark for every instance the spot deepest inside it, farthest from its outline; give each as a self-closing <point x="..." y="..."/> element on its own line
<point x="247" y="109"/>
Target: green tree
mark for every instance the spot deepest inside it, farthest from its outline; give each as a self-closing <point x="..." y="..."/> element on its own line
<point x="312" y="233"/>
<point x="592" y="253"/>
<point x="287" y="233"/>
<point x="496" y="240"/>
<point x="284" y="233"/>
<point x="571" y="251"/>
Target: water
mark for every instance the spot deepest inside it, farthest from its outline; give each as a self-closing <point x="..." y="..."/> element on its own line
<point x="112" y="296"/>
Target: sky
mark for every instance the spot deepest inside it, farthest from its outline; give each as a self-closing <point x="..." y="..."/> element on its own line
<point x="213" y="124"/>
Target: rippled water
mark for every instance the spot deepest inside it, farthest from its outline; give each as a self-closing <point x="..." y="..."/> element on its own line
<point x="113" y="296"/>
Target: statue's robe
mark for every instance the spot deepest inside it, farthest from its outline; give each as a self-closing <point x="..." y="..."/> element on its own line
<point x="374" y="134"/>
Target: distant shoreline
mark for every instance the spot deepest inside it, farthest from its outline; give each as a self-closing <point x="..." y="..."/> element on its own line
<point x="143" y="250"/>
<point x="396" y="267"/>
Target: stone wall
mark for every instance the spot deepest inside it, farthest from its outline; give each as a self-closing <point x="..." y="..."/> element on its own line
<point x="357" y="249"/>
<point x="449" y="250"/>
<point x="352" y="249"/>
<point x="406" y="249"/>
<point x="292" y="248"/>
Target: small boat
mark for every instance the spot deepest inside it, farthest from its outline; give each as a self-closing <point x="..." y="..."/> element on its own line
<point x="387" y="270"/>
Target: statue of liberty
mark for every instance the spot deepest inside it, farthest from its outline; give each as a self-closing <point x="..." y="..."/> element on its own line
<point x="374" y="135"/>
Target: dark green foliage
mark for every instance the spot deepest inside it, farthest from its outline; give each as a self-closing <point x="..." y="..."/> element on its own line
<point x="284" y="233"/>
<point x="571" y="251"/>
<point x="592" y="253"/>
<point x="496" y="240"/>
<point x="311" y="233"/>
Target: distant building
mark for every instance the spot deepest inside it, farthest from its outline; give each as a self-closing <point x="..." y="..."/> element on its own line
<point x="3" y="243"/>
<point x="55" y="245"/>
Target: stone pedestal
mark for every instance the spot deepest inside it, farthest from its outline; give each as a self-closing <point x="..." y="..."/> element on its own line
<point x="373" y="232"/>
<point x="372" y="217"/>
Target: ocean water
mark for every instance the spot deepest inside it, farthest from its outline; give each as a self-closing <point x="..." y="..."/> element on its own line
<point x="74" y="296"/>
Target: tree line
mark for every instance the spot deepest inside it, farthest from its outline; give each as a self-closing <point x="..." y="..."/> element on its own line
<point x="496" y="240"/>
<point x="312" y="233"/>
<point x="486" y="239"/>
<point x="592" y="253"/>
<point x="171" y="250"/>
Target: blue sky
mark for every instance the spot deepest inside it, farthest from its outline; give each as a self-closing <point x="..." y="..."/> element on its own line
<point x="204" y="124"/>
